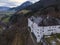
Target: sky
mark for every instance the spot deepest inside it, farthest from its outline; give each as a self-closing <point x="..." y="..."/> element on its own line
<point x="14" y="3"/>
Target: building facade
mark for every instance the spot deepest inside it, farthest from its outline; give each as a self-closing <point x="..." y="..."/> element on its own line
<point x="40" y="31"/>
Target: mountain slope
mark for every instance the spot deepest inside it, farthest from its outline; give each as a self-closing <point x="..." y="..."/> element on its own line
<point x="24" y="5"/>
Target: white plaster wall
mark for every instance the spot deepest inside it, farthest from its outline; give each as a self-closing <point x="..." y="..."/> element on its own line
<point x="40" y="31"/>
<point x="58" y="29"/>
<point x="30" y="24"/>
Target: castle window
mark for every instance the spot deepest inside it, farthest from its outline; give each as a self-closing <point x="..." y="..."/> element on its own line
<point x="42" y="31"/>
<point x="38" y="29"/>
<point x="38" y="35"/>
<point x="58" y="27"/>
<point x="50" y="30"/>
<point x="38" y="32"/>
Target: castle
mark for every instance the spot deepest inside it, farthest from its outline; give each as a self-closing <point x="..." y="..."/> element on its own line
<point x="40" y="31"/>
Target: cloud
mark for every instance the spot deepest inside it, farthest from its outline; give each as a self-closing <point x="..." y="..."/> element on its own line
<point x="18" y="0"/>
<point x="8" y="4"/>
<point x="13" y="3"/>
<point x="33" y="1"/>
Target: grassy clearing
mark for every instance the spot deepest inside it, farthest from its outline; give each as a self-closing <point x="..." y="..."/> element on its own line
<point x="5" y="16"/>
<point x="49" y="39"/>
<point x="6" y="20"/>
<point x="58" y="36"/>
<point x="52" y="38"/>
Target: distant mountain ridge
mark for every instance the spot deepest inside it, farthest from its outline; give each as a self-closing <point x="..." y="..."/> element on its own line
<point x="22" y="6"/>
<point x="2" y="8"/>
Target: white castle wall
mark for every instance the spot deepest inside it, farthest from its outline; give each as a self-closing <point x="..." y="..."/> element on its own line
<point x="40" y="31"/>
